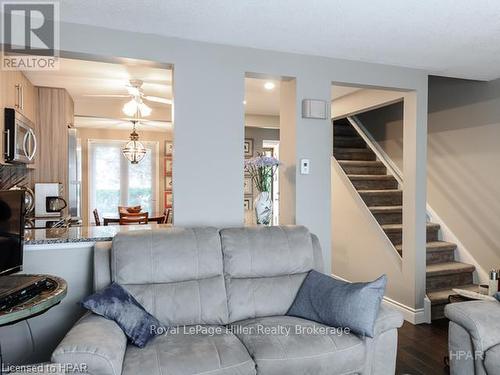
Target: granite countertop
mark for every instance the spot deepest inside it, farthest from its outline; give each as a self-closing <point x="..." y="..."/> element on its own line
<point x="81" y="234"/>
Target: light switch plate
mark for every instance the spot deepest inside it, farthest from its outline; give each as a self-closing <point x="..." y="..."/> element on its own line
<point x="304" y="166"/>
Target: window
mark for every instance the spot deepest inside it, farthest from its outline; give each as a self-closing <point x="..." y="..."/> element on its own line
<point x="114" y="181"/>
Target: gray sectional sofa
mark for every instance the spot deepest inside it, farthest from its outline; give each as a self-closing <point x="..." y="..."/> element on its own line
<point x="203" y="281"/>
<point x="474" y="337"/>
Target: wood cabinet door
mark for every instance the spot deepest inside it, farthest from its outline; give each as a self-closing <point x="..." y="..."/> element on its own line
<point x="12" y="89"/>
<point x="69" y="110"/>
<point x="3" y="90"/>
<point x="28" y="99"/>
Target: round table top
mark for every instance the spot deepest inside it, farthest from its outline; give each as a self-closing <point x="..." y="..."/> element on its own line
<point x="36" y="305"/>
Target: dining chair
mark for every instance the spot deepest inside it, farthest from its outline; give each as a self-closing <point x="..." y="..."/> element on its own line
<point x="166" y="215"/>
<point x="96" y="217"/>
<point x="139" y="218"/>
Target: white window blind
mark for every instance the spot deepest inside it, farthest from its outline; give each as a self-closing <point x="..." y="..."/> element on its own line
<point x="114" y="181"/>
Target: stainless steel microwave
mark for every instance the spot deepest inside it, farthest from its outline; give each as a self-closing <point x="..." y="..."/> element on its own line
<point x="20" y="139"/>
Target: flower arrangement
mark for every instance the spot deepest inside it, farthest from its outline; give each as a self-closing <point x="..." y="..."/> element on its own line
<point x="262" y="169"/>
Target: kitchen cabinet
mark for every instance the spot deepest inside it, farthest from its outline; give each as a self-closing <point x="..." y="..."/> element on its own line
<point x="69" y="111"/>
<point x="28" y="98"/>
<point x="17" y="92"/>
<point x="2" y="119"/>
<point x="54" y="116"/>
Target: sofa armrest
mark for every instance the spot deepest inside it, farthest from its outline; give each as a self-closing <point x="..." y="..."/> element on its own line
<point x="94" y="342"/>
<point x="481" y="319"/>
<point x="382" y="348"/>
<point x="387" y="319"/>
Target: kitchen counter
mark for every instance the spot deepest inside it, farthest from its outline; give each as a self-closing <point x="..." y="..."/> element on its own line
<point x="81" y="234"/>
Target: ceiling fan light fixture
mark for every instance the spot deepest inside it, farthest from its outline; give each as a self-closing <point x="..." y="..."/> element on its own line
<point x="130" y="108"/>
<point x="144" y="109"/>
<point x="134" y="106"/>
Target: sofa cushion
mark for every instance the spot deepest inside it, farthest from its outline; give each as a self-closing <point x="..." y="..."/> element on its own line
<point x="492" y="360"/>
<point x="337" y="303"/>
<point x="182" y="352"/>
<point x="264" y="268"/>
<point x="175" y="273"/>
<point x="307" y="348"/>
<point x="116" y="304"/>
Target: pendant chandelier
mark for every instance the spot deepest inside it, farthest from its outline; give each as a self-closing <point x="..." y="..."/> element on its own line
<point x="134" y="150"/>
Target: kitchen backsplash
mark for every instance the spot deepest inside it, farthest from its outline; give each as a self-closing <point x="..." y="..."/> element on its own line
<point x="11" y="175"/>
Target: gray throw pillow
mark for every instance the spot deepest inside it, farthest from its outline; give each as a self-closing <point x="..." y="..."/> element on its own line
<point x="115" y="303"/>
<point x="337" y="303"/>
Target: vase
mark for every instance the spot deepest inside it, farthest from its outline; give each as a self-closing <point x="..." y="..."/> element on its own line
<point x="264" y="208"/>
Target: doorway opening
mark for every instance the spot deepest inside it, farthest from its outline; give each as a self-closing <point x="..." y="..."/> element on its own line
<point x="114" y="148"/>
<point x="262" y="139"/>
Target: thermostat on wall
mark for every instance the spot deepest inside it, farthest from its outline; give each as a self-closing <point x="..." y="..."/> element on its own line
<point x="312" y="108"/>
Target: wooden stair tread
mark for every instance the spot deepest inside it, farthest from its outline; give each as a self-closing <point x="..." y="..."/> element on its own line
<point x="385" y="209"/>
<point x="435" y="246"/>
<point x="383" y="177"/>
<point x="378" y="191"/>
<point x="361" y="163"/>
<point x="343" y="137"/>
<point x="391" y="227"/>
<point x="448" y="268"/>
<point x="440" y="246"/>
<point x="440" y="296"/>
<point x="352" y="149"/>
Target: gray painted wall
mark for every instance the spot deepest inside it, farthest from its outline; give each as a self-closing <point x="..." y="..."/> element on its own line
<point x="208" y="111"/>
<point x="386" y="126"/>
<point x="208" y="136"/>
<point x="463" y="184"/>
<point x="259" y="134"/>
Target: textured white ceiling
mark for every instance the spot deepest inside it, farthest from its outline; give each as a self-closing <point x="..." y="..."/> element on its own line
<point x="458" y="38"/>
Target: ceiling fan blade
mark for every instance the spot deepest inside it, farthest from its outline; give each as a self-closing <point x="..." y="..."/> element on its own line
<point x="106" y="95"/>
<point x="157" y="99"/>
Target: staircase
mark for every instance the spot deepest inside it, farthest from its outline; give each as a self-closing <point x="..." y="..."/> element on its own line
<point x="383" y="197"/>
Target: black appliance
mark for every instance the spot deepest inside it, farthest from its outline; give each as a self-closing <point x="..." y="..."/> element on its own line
<point x="55" y="204"/>
<point x="20" y="139"/>
<point x="17" y="289"/>
<point x="11" y="231"/>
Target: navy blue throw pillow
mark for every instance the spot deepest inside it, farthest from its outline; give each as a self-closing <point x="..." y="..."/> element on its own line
<point x="337" y="303"/>
<point x="115" y="303"/>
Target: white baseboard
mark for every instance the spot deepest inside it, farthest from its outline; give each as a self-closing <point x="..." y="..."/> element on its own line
<point x="411" y="315"/>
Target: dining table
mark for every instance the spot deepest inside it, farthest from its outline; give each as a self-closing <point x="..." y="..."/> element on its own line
<point x="114" y="217"/>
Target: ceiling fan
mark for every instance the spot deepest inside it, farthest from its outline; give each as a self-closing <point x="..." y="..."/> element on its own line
<point x="135" y="91"/>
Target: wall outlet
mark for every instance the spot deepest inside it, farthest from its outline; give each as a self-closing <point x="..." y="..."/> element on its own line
<point x="304" y="166"/>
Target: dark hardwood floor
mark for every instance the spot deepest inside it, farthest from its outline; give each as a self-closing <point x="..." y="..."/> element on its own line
<point x="422" y="348"/>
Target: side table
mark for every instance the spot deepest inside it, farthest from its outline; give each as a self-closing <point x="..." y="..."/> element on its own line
<point x="35" y="306"/>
